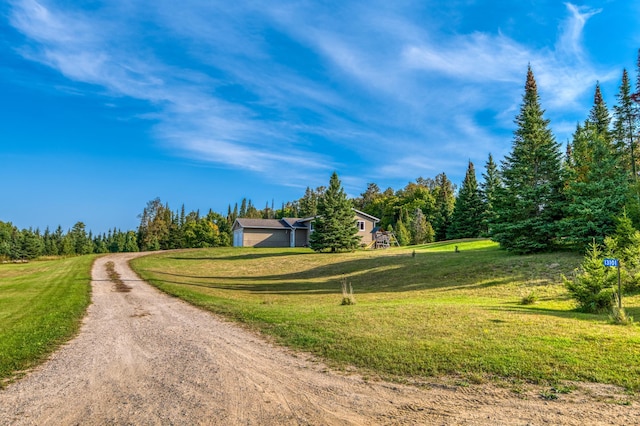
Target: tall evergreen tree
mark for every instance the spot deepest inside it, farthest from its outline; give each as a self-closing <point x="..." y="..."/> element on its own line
<point x="599" y="116"/>
<point x="466" y="220"/>
<point x="529" y="205"/>
<point x="625" y="125"/>
<point x="82" y="243"/>
<point x="309" y="203"/>
<point x="402" y="233"/>
<point x="489" y="190"/>
<point x="243" y="208"/>
<point x="596" y="188"/>
<point x="444" y="202"/>
<point x="335" y="227"/>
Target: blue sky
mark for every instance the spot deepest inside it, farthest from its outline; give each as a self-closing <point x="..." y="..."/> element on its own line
<point x="109" y="104"/>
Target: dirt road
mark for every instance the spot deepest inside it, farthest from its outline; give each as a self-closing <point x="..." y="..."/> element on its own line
<point x="148" y="359"/>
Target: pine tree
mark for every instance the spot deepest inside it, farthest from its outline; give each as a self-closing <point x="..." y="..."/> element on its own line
<point x="431" y="234"/>
<point x="466" y="220"/>
<point x="82" y="244"/>
<point x="489" y="187"/>
<point x="31" y="243"/>
<point x="444" y="202"/>
<point x="599" y="116"/>
<point x="529" y="205"/>
<point x="625" y="125"/>
<point x="402" y="233"/>
<point x="335" y="228"/>
<point x="154" y="228"/>
<point x="596" y="189"/>
<point x="309" y="203"/>
<point x="243" y="208"/>
<point x="592" y="284"/>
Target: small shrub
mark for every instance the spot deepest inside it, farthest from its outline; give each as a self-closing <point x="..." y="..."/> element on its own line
<point x="347" y="293"/>
<point x="529" y="299"/>
<point x="549" y="395"/>
<point x="563" y="389"/>
<point x="592" y="284"/>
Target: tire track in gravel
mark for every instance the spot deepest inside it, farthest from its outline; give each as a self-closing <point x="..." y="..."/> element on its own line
<point x="145" y="358"/>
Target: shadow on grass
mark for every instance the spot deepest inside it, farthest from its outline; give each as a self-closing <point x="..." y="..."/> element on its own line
<point x="558" y="313"/>
<point x="368" y="275"/>
<point x="244" y="256"/>
<point x="393" y="271"/>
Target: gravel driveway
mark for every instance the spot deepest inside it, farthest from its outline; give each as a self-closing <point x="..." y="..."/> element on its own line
<point x="145" y="358"/>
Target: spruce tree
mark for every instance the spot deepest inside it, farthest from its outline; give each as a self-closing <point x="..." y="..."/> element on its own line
<point x="444" y="202"/>
<point x="599" y="116"/>
<point x="529" y="204"/>
<point x="489" y="187"/>
<point x="592" y="285"/>
<point x="466" y="220"/>
<point x="625" y="125"/>
<point x="243" y="208"/>
<point x="596" y="189"/>
<point x="402" y="233"/>
<point x="309" y="203"/>
<point x="335" y="227"/>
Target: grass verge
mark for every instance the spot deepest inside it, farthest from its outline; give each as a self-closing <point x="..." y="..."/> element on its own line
<point x="440" y="312"/>
<point x="41" y="306"/>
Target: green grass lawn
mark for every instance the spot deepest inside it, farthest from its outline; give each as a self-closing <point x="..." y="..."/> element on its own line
<point x="432" y="314"/>
<point x="41" y="305"/>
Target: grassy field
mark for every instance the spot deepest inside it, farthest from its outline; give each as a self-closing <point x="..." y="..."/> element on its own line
<point x="41" y="305"/>
<point x="430" y="314"/>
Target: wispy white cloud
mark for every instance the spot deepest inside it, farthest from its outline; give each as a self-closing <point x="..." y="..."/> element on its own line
<point x="570" y="41"/>
<point x="476" y="57"/>
<point x="192" y="120"/>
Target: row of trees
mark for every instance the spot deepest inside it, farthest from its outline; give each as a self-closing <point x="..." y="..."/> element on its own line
<point x="28" y="244"/>
<point x="544" y="199"/>
<point x="162" y="229"/>
<point x="537" y="199"/>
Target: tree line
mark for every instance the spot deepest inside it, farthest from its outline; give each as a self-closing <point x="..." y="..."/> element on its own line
<point x="27" y="244"/>
<point x="538" y="198"/>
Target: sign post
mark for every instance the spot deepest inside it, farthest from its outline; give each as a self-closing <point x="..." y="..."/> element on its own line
<point x="608" y="262"/>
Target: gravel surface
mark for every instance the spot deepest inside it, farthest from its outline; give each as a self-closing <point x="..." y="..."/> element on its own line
<point x="145" y="358"/>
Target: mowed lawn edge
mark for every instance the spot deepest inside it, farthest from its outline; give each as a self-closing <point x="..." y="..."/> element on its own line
<point x="420" y="312"/>
<point x="42" y="304"/>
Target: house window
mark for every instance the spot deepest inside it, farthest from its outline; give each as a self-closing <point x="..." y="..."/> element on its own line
<point x="361" y="225"/>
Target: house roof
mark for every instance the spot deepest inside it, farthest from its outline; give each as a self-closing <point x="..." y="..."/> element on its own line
<point x="287" y="222"/>
<point x="262" y="223"/>
<point x="294" y="222"/>
<point x="368" y="216"/>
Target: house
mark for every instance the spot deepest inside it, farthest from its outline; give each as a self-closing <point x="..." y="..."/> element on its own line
<point x="290" y="232"/>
